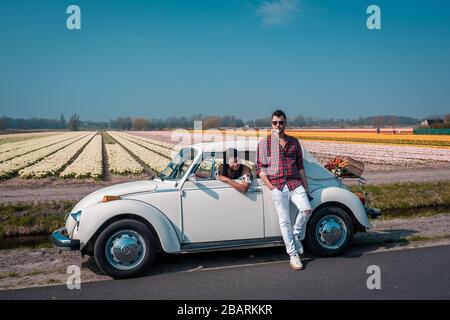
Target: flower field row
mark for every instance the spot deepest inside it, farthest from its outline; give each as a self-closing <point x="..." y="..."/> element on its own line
<point x="164" y="151"/>
<point x="89" y="163"/>
<point x="404" y="138"/>
<point x="17" y="137"/>
<point x="12" y="166"/>
<point x="378" y="154"/>
<point x="12" y="150"/>
<point x="120" y="161"/>
<point x="158" y="141"/>
<point x="154" y="160"/>
<point x="55" y="162"/>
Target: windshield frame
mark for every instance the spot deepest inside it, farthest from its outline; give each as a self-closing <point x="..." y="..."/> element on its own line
<point x="197" y="156"/>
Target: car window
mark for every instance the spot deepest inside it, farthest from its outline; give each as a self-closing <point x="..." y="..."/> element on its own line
<point x="180" y="163"/>
<point x="246" y="158"/>
<point x="209" y="166"/>
<point x="204" y="170"/>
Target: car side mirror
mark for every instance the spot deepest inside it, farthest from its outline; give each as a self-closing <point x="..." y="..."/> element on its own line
<point x="192" y="178"/>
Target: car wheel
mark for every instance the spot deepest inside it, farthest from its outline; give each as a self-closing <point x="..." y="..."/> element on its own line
<point x="329" y="231"/>
<point x="125" y="249"/>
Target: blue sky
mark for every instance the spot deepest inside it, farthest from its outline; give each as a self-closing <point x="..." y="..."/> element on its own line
<point x="166" y="58"/>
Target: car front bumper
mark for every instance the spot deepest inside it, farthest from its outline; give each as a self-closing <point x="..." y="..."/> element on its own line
<point x="59" y="239"/>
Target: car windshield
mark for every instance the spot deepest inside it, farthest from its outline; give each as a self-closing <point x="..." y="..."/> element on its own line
<point x="180" y="163"/>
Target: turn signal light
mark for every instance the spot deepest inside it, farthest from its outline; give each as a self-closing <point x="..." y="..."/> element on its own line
<point x="361" y="197"/>
<point x="110" y="198"/>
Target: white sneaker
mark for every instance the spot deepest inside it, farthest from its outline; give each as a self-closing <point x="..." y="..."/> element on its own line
<point x="295" y="262"/>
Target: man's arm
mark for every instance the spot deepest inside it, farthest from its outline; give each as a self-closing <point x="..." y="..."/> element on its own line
<point x="304" y="180"/>
<point x="266" y="181"/>
<point x="301" y="168"/>
<point x="261" y="165"/>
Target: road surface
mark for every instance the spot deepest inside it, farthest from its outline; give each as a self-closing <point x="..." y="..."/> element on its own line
<point x="406" y="274"/>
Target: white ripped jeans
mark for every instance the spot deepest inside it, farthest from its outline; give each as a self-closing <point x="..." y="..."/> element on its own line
<point x="281" y="200"/>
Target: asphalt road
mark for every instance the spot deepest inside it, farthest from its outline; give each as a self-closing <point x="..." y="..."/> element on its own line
<point x="405" y="274"/>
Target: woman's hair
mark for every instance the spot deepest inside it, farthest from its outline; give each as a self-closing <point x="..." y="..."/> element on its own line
<point x="231" y="152"/>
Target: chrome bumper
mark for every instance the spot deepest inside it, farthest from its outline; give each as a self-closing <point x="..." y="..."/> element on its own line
<point x="62" y="241"/>
<point x="373" y="212"/>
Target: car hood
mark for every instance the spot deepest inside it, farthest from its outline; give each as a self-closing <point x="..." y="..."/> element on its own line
<point x="121" y="189"/>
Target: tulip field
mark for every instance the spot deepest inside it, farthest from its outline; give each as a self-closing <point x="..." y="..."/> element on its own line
<point x="85" y="154"/>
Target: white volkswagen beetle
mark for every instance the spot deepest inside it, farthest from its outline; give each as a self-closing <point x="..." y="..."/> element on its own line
<point x="123" y="226"/>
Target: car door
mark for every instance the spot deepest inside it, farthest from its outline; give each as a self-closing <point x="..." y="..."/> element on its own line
<point x="214" y="211"/>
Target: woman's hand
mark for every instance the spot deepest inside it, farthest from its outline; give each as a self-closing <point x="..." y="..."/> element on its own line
<point x="223" y="178"/>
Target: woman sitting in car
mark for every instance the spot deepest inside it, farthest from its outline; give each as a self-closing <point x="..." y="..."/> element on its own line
<point x="234" y="173"/>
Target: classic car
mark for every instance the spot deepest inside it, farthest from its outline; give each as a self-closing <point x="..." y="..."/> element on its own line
<point x="179" y="211"/>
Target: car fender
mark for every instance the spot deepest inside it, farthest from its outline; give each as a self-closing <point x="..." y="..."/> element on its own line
<point x="93" y="217"/>
<point x="345" y="197"/>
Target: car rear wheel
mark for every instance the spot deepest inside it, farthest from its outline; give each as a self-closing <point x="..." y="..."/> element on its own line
<point x="329" y="231"/>
<point x="125" y="249"/>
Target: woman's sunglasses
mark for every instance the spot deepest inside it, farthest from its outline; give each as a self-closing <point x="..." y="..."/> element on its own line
<point x="278" y="122"/>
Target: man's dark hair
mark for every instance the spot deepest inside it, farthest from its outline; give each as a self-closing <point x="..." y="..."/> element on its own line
<point x="279" y="113"/>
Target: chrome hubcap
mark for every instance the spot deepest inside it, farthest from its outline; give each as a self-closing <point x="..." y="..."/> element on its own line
<point x="331" y="232"/>
<point x="125" y="249"/>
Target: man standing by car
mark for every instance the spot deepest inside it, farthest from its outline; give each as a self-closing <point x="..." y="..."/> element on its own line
<point x="280" y="167"/>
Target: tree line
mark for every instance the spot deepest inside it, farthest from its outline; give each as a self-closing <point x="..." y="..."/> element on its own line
<point x="74" y="123"/>
<point x="228" y="121"/>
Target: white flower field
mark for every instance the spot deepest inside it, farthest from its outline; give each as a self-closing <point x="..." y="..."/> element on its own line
<point x="89" y="163"/>
<point x="87" y="154"/>
<point x="120" y="161"/>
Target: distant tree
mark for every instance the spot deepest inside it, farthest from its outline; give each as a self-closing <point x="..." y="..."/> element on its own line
<point x="140" y="124"/>
<point x="447" y="118"/>
<point x="298" y="121"/>
<point x="128" y="123"/>
<point x="378" y="121"/>
<point x="262" y="122"/>
<point x="74" y="122"/>
<point x="392" y="121"/>
<point x="437" y="125"/>
<point x="211" y="122"/>
<point x="3" y="123"/>
<point x="250" y="123"/>
<point x="62" y="121"/>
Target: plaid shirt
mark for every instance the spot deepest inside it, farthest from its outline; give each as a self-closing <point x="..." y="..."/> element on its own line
<point x="280" y="164"/>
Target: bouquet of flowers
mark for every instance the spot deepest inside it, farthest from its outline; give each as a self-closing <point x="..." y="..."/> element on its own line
<point x="345" y="167"/>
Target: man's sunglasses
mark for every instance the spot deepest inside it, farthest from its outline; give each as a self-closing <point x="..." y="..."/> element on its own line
<point x="278" y="122"/>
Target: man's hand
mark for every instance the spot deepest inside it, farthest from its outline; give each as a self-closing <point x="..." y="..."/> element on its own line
<point x="266" y="181"/>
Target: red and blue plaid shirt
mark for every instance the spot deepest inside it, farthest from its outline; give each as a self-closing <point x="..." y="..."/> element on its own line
<point x="282" y="165"/>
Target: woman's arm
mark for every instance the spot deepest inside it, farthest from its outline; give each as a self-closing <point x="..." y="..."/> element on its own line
<point x="241" y="187"/>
